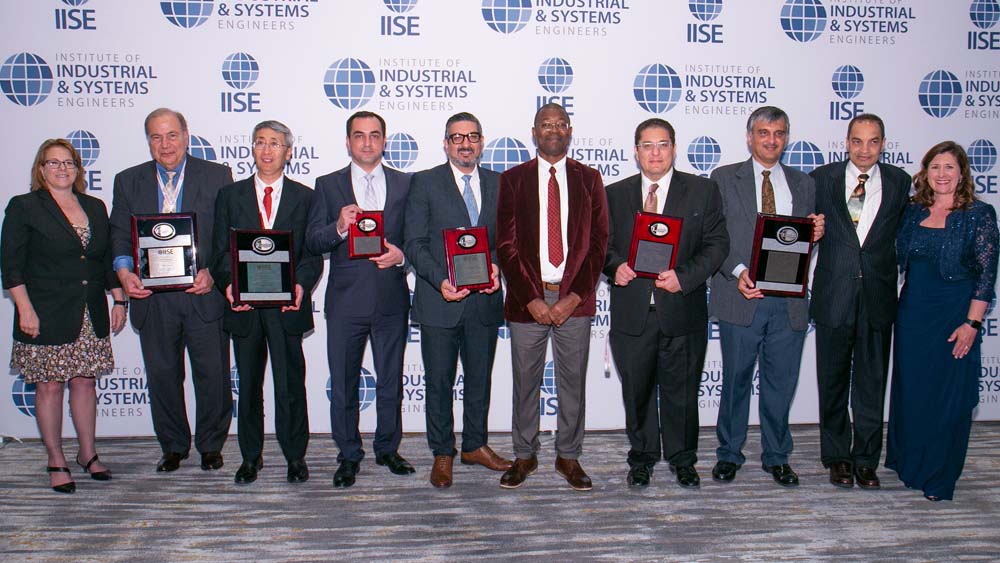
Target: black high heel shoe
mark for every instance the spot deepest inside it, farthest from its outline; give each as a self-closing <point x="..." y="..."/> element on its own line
<point x="97" y="476"/>
<point x="65" y="487"/>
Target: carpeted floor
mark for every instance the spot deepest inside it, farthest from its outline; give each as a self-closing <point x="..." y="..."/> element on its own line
<point x="193" y="515"/>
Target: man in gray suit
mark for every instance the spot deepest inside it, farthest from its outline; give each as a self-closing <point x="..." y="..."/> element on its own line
<point x="751" y="324"/>
<point x="854" y="300"/>
<point x="168" y="322"/>
<point x="455" y="322"/>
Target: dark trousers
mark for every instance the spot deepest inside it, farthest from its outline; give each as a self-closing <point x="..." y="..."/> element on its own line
<point x="346" y="341"/>
<point x="852" y="363"/>
<point x="661" y="377"/>
<point x="770" y="340"/>
<point x="288" y="368"/>
<point x="172" y="325"/>
<point x="441" y="348"/>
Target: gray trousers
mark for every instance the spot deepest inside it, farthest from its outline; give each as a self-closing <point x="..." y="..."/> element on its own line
<point x="570" y="348"/>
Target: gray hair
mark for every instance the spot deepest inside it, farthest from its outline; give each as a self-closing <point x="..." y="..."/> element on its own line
<point x="462" y="116"/>
<point x="277" y="127"/>
<point x="160" y="112"/>
<point x="769" y="114"/>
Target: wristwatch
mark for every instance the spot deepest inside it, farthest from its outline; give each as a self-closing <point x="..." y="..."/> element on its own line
<point x="123" y="304"/>
<point x="974" y="323"/>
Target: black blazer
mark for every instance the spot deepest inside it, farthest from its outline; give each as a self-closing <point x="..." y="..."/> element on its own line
<point x="843" y="263"/>
<point x="236" y="208"/>
<point x="703" y="246"/>
<point x="435" y="203"/>
<point x="41" y="250"/>
<point x="135" y="193"/>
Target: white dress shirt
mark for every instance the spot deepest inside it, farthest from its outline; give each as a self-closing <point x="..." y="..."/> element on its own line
<point x="782" y="195"/>
<point x="276" y="186"/>
<point x="473" y="182"/>
<point x="873" y="196"/>
<point x="550" y="273"/>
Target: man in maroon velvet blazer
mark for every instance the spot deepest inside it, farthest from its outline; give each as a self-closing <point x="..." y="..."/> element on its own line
<point x="552" y="234"/>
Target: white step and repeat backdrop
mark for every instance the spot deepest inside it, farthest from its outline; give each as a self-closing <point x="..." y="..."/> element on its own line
<point x="90" y="70"/>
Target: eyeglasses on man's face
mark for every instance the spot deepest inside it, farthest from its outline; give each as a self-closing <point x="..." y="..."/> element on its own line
<point x="647" y="146"/>
<point x="459" y="138"/>
<point x="261" y="145"/>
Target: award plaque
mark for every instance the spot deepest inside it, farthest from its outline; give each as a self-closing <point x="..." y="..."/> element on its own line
<point x="165" y="250"/>
<point x="782" y="246"/>
<point x="467" y="252"/>
<point x="263" y="267"/>
<point x="366" y="237"/>
<point x="654" y="244"/>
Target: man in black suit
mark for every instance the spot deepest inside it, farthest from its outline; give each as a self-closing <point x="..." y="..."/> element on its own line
<point x="170" y="321"/>
<point x="455" y="322"/>
<point x="365" y="298"/>
<point x="269" y="200"/>
<point x="659" y="326"/>
<point x="854" y="299"/>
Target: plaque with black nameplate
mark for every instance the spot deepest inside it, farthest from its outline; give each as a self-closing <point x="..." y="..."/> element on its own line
<point x="366" y="237"/>
<point x="165" y="250"/>
<point x="467" y="252"/>
<point x="263" y="267"/>
<point x="782" y="246"/>
<point x="654" y="244"/>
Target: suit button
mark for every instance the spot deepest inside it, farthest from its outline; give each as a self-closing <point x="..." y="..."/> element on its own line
<point x="84" y="282"/>
<point x="83" y="258"/>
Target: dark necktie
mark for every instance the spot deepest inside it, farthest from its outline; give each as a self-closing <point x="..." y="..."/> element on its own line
<point x="555" y="223"/>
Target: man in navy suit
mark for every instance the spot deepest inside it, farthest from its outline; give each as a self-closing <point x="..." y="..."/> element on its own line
<point x="365" y="298"/>
<point x="854" y="300"/>
<point x="170" y="321"/>
<point x="269" y="200"/>
<point x="455" y="322"/>
<point x="753" y="327"/>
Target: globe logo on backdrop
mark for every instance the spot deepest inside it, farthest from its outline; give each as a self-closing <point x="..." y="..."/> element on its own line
<point x="705" y="10"/>
<point x="199" y="147"/>
<point x="984" y="13"/>
<point x="982" y="156"/>
<point x="803" y="20"/>
<point x="704" y="153"/>
<point x="848" y="81"/>
<point x="400" y="150"/>
<point x="366" y="389"/>
<point x="187" y="13"/>
<point x="549" y="386"/>
<point x="506" y="16"/>
<point x="86" y="144"/>
<point x="400" y="6"/>
<point x="657" y="88"/>
<point x="240" y="71"/>
<point x="555" y="75"/>
<point x="503" y="154"/>
<point x="74" y="2"/>
<point x="25" y="79"/>
<point x="349" y="83"/>
<point x="940" y="93"/>
<point x="234" y="380"/>
<point x="803" y="156"/>
<point x="23" y="395"/>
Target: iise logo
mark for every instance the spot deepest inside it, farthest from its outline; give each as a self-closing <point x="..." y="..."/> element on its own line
<point x="400" y="150"/>
<point x="803" y="20"/>
<point x="187" y="14"/>
<point x="556" y="76"/>
<point x="400" y="24"/>
<point x="240" y="71"/>
<point x="75" y="18"/>
<point x="349" y="83"/>
<point x="26" y="79"/>
<point x="940" y="93"/>
<point x="847" y="82"/>
<point x="704" y="154"/>
<point x="89" y="148"/>
<point x="984" y="15"/>
<point x="704" y="11"/>
<point x="506" y="16"/>
<point x="548" y="401"/>
<point x="982" y="159"/>
<point x="803" y="156"/>
<point x="502" y="154"/>
<point x="657" y="88"/>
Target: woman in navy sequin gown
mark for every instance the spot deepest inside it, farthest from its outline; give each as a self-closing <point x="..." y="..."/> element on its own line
<point x="947" y="248"/>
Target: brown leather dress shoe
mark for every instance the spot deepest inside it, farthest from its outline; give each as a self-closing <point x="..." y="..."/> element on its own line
<point x="840" y="474"/>
<point x="866" y="478"/>
<point x="518" y="472"/>
<point x="441" y="471"/>
<point x="486" y="457"/>
<point x="574" y="474"/>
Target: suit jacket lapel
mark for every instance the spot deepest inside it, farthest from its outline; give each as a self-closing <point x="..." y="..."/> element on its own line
<point x="289" y="201"/>
<point x="50" y="205"/>
<point x="676" y="195"/>
<point x="747" y="189"/>
<point x="190" y="185"/>
<point x="149" y="189"/>
<point x="346" y="187"/>
<point x="488" y="192"/>
<point x="247" y="198"/>
<point x="890" y="192"/>
<point x="837" y="194"/>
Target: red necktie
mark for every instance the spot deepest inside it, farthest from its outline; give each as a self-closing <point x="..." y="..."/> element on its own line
<point x="267" y="201"/>
<point x="555" y="222"/>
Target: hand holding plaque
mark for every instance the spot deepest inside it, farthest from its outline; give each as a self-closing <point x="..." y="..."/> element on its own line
<point x="782" y="246"/>
<point x="263" y="267"/>
<point x="467" y="253"/>
<point x="366" y="236"/>
<point x="165" y="250"/>
<point x="654" y="244"/>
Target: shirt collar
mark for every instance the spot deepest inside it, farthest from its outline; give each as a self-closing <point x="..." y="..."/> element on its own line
<point x="458" y="175"/>
<point x="662" y="184"/>
<point x="560" y="166"/>
<point x="162" y="171"/>
<point x="378" y="173"/>
<point x="852" y="173"/>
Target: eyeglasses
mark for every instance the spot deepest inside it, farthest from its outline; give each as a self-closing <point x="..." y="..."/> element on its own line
<point x="648" y="145"/>
<point x="54" y="164"/>
<point x="557" y="126"/>
<point x="458" y="138"/>
<point x="261" y="145"/>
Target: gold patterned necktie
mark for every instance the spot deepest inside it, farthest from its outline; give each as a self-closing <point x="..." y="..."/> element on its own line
<point x="767" y="194"/>
<point x="170" y="193"/>
<point x="651" y="202"/>
<point x="856" y="203"/>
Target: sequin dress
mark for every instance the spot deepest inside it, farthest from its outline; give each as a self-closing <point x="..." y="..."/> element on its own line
<point x="87" y="356"/>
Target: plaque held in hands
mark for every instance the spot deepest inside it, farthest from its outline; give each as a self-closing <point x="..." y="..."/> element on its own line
<point x="263" y="267"/>
<point x="654" y="244"/>
<point x="782" y="246"/>
<point x="366" y="237"/>
<point x="467" y="252"/>
<point x="165" y="250"/>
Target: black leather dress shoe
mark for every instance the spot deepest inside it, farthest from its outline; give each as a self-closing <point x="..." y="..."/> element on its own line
<point x="639" y="476"/>
<point x="840" y="474"/>
<point x="395" y="463"/>
<point x="687" y="477"/>
<point x="298" y="471"/>
<point x="170" y="461"/>
<point x="783" y="474"/>
<point x="210" y="461"/>
<point x="344" y="477"/>
<point x="725" y="471"/>
<point x="247" y="473"/>
<point x="866" y="478"/>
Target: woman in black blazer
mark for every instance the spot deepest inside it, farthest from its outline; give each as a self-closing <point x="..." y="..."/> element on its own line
<point x="55" y="257"/>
